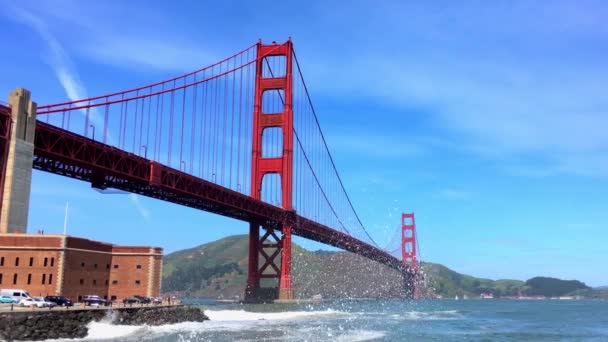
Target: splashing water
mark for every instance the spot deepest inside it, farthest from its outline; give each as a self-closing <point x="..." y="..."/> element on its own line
<point x="439" y="320"/>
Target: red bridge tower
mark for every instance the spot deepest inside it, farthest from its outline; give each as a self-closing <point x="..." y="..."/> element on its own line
<point x="269" y="245"/>
<point x="409" y="254"/>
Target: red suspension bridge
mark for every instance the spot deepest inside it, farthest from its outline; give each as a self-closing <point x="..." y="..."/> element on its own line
<point x="192" y="140"/>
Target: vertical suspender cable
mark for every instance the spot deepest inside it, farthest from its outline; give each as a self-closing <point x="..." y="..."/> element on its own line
<point x="181" y="137"/>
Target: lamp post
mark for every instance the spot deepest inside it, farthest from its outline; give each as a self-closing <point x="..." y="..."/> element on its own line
<point x="93" y="128"/>
<point x="145" y="147"/>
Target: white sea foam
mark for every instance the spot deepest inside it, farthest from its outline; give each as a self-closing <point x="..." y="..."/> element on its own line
<point x="331" y="333"/>
<point x="220" y="320"/>
<point x="360" y="335"/>
<point x="416" y="315"/>
<point x="106" y="331"/>
<point x="242" y="315"/>
<point x="429" y="315"/>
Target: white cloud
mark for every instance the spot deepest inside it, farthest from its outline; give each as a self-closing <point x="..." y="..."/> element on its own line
<point x="66" y="74"/>
<point x="454" y="194"/>
<point x="123" y="34"/>
<point x="143" y="211"/>
<point x="133" y="51"/>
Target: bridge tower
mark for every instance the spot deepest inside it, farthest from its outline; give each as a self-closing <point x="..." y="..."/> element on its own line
<point x="409" y="254"/>
<point x="16" y="159"/>
<point x="269" y="245"/>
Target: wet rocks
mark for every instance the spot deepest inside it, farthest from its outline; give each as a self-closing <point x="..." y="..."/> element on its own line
<point x="53" y="324"/>
<point x="159" y="316"/>
<point x="42" y="325"/>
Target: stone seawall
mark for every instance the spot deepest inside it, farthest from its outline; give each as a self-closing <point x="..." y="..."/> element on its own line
<point x="73" y="323"/>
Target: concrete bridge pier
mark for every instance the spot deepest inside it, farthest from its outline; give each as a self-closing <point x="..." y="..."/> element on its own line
<point x="18" y="160"/>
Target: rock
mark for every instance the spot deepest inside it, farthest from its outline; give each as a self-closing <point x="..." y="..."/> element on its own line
<point x="42" y="325"/>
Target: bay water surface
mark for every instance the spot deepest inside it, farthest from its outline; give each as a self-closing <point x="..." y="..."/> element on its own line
<point x="374" y="320"/>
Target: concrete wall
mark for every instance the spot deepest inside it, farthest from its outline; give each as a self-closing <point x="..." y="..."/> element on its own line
<point x="18" y="175"/>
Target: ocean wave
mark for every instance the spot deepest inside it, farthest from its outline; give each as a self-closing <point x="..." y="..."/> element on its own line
<point x="416" y="315"/>
<point x="220" y="320"/>
<point x="320" y="333"/>
<point x="242" y="315"/>
<point x="360" y="335"/>
<point x="106" y="331"/>
<point x="430" y="315"/>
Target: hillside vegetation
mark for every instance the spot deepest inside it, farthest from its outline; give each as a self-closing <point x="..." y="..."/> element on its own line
<point x="219" y="269"/>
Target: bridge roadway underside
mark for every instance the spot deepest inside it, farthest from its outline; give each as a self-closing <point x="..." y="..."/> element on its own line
<point x="68" y="154"/>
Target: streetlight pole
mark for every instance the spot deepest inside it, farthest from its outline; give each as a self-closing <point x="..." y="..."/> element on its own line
<point x="93" y="127"/>
<point x="183" y="163"/>
<point x="145" y="147"/>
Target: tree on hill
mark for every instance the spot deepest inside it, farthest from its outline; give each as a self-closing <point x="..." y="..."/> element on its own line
<point x="552" y="287"/>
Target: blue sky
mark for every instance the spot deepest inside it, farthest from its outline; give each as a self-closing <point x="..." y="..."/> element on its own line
<point x="488" y="120"/>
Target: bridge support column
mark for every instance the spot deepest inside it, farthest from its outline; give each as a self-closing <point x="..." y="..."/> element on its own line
<point x="264" y="274"/>
<point x="285" y="289"/>
<point x="18" y="168"/>
<point x="253" y="277"/>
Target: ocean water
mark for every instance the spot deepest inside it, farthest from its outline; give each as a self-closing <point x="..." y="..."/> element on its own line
<point x="392" y="320"/>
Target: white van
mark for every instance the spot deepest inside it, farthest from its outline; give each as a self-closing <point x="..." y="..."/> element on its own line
<point x="16" y="294"/>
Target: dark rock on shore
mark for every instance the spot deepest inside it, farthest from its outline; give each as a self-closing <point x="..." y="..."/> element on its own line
<point x="53" y="324"/>
<point x="42" y="325"/>
<point x="158" y="316"/>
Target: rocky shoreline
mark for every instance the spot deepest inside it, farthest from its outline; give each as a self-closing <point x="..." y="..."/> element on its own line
<point x="73" y="323"/>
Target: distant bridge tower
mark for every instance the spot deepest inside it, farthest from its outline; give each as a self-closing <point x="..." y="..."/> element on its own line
<point x="270" y="246"/>
<point x="409" y="249"/>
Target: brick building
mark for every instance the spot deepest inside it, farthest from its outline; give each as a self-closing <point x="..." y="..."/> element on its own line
<point x="74" y="267"/>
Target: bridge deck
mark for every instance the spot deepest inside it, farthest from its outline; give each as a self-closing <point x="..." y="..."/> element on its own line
<point x="65" y="153"/>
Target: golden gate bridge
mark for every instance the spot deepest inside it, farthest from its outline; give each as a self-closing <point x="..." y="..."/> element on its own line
<point x="239" y="138"/>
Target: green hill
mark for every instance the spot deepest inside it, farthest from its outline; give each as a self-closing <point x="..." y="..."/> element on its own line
<point x="554" y="287"/>
<point x="214" y="269"/>
<point x="219" y="269"/>
<point x="448" y="283"/>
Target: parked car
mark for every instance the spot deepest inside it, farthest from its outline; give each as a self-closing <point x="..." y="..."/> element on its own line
<point x="39" y="303"/>
<point x="144" y="300"/>
<point x="132" y="300"/>
<point x="45" y="304"/>
<point x="157" y="300"/>
<point x="59" y="300"/>
<point x="94" y="300"/>
<point x="7" y="300"/>
<point x="17" y="294"/>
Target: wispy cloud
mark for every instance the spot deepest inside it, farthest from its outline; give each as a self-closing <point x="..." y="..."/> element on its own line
<point x="134" y="52"/>
<point x="454" y="194"/>
<point x="143" y="211"/>
<point x="61" y="64"/>
<point x="125" y="34"/>
<point x="57" y="57"/>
